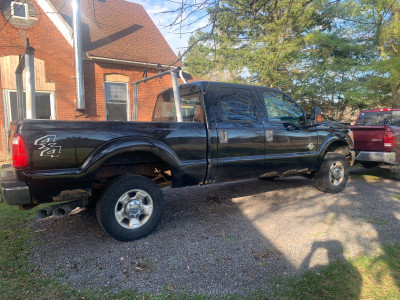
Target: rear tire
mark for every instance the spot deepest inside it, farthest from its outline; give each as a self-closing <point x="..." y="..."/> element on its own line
<point x="333" y="173"/>
<point x="130" y="208"/>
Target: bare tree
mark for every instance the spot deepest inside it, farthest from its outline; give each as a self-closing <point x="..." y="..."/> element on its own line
<point x="192" y="16"/>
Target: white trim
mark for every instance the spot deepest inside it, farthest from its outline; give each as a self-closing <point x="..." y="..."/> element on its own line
<point x="7" y="105"/>
<point x="58" y="21"/>
<point x="53" y="106"/>
<point x="19" y="3"/>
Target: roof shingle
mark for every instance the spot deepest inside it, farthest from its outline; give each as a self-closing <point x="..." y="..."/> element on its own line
<point x="119" y="29"/>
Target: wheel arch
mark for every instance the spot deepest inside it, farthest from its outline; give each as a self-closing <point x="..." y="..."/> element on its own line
<point x="127" y="156"/>
<point x="337" y="143"/>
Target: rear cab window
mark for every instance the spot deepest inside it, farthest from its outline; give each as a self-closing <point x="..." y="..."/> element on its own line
<point x="192" y="109"/>
<point x="379" y="118"/>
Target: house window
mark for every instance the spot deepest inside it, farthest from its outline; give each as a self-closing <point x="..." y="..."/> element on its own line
<point x="116" y="101"/>
<point x="44" y="103"/>
<point x="19" y="10"/>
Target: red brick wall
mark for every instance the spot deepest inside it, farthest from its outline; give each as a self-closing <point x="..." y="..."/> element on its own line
<point x="57" y="53"/>
<point x="94" y="88"/>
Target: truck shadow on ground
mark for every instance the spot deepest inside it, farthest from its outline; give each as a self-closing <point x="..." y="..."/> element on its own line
<point x="220" y="239"/>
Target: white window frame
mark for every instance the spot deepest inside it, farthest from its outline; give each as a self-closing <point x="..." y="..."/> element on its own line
<point x="13" y="3"/>
<point x="7" y="105"/>
<point x="128" y="116"/>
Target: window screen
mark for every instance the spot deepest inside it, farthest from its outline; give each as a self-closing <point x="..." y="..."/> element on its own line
<point x="192" y="110"/>
<point x="43" y="105"/>
<point x="237" y="105"/>
<point x="14" y="106"/>
<point x="116" y="101"/>
<point x="282" y="109"/>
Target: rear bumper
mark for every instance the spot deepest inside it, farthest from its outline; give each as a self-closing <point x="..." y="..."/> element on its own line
<point x="381" y="157"/>
<point x="13" y="191"/>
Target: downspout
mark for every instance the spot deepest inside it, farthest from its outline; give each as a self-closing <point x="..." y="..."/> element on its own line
<point x="30" y="83"/>
<point x="76" y="20"/>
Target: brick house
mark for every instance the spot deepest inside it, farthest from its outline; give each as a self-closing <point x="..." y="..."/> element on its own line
<point x="120" y="45"/>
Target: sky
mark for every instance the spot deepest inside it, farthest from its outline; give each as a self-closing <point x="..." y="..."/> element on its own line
<point x="178" y="42"/>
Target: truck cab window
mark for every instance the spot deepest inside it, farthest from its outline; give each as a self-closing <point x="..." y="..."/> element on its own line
<point x="192" y="110"/>
<point x="237" y="105"/>
<point x="377" y="118"/>
<point x="281" y="109"/>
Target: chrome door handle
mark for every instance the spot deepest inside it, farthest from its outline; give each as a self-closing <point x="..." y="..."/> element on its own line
<point x="223" y="137"/>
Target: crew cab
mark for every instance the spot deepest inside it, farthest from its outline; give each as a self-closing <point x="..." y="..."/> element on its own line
<point x="377" y="139"/>
<point x="216" y="132"/>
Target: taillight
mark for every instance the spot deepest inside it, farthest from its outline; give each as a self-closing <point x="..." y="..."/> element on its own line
<point x="389" y="141"/>
<point x="19" y="152"/>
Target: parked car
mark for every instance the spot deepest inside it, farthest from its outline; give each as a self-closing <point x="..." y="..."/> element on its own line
<point x="221" y="132"/>
<point x="377" y="139"/>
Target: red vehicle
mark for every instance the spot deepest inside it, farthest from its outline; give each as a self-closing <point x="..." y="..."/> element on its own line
<point x="377" y="139"/>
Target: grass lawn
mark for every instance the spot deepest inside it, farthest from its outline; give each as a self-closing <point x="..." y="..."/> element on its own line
<point x="373" y="174"/>
<point x="366" y="278"/>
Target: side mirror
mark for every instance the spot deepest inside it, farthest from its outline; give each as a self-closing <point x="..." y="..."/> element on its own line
<point x="316" y="116"/>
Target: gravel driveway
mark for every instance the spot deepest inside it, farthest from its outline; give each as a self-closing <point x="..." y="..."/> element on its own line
<point x="224" y="238"/>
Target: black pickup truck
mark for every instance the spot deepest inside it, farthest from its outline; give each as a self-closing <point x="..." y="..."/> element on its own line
<point x="221" y="132"/>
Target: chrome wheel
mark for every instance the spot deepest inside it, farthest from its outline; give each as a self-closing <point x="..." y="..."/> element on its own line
<point x="133" y="209"/>
<point x="336" y="173"/>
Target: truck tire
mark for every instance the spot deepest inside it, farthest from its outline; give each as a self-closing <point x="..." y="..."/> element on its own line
<point x="130" y="207"/>
<point x="333" y="173"/>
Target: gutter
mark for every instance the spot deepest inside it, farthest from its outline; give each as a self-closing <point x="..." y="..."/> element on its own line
<point x="126" y="62"/>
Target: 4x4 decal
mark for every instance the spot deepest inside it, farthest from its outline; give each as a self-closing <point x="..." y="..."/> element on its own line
<point x="48" y="146"/>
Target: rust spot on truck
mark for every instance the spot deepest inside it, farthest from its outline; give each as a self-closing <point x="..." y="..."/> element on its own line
<point x="68" y="195"/>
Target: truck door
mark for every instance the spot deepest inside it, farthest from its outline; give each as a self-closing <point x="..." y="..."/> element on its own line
<point x="240" y="132"/>
<point x="289" y="144"/>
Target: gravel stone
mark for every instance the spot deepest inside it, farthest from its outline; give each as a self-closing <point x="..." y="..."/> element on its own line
<point x="231" y="238"/>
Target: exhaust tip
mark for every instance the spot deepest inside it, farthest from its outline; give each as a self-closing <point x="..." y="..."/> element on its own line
<point x="58" y="212"/>
<point x="41" y="214"/>
<point x="44" y="213"/>
<point x="61" y="211"/>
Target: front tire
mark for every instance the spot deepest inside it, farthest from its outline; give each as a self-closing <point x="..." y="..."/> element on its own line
<point x="333" y="174"/>
<point x="130" y="208"/>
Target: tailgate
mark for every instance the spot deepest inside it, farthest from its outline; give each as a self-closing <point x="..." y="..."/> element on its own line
<point x="368" y="138"/>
